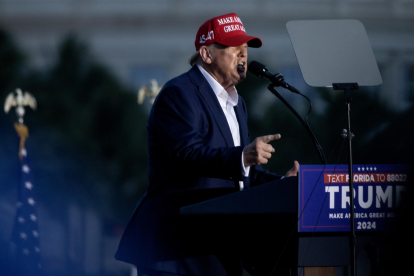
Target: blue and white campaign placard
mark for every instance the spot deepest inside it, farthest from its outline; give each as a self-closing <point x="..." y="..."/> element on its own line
<point x="324" y="196"/>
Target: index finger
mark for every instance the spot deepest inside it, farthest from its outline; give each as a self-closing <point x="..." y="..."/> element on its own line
<point x="267" y="138"/>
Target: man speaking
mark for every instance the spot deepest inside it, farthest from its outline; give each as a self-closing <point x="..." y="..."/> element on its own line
<point x="197" y="140"/>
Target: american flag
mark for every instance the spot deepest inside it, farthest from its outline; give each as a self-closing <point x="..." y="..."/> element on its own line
<point x="26" y="231"/>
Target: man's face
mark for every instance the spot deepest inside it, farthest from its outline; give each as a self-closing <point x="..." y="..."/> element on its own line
<point x="229" y="64"/>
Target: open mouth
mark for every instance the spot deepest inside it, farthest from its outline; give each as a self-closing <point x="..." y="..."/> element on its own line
<point x="241" y="67"/>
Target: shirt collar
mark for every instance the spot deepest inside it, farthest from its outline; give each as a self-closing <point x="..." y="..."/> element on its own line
<point x="232" y="96"/>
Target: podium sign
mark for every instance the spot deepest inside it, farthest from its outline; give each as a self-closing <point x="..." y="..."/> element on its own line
<point x="323" y="203"/>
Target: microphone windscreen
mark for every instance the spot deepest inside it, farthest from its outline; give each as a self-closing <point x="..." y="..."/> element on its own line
<point x="257" y="68"/>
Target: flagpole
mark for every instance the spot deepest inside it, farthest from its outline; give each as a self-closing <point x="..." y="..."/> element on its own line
<point x="25" y="235"/>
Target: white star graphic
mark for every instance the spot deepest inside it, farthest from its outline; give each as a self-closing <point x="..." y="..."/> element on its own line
<point x="363" y="169"/>
<point x="26" y="251"/>
<point x="28" y="185"/>
<point x="31" y="201"/>
<point x="359" y="168"/>
<point x="375" y="168"/>
<point x="35" y="234"/>
<point x="23" y="235"/>
<point x="33" y="217"/>
<point x="24" y="152"/>
<point x="37" y="249"/>
<point x="25" y="169"/>
<point x="21" y="219"/>
<point x="370" y="169"/>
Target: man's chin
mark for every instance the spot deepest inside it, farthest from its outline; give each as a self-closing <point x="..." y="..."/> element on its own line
<point x="242" y="76"/>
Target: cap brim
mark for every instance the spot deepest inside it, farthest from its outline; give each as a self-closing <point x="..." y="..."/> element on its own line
<point x="238" y="40"/>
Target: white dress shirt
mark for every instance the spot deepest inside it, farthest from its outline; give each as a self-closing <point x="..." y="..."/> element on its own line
<point x="227" y="100"/>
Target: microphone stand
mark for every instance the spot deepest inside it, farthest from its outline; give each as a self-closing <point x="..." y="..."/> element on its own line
<point x="272" y="89"/>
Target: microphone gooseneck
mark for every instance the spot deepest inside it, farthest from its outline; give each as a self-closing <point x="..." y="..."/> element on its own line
<point x="261" y="71"/>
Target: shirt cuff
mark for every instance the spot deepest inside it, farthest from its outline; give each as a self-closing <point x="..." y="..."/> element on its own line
<point x="245" y="170"/>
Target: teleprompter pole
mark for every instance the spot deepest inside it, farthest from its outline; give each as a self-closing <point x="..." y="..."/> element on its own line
<point x="346" y="133"/>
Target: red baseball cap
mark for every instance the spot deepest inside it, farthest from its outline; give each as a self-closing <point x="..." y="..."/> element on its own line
<point x="227" y="30"/>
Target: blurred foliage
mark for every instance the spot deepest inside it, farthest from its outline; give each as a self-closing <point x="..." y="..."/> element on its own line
<point x="98" y="120"/>
<point x="11" y="62"/>
<point x="382" y="136"/>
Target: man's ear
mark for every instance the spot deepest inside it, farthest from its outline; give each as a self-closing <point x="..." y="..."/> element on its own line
<point x="205" y="54"/>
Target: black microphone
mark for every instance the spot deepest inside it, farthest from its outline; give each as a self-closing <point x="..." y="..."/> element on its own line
<point x="277" y="79"/>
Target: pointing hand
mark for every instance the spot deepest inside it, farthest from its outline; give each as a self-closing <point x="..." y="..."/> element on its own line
<point x="259" y="151"/>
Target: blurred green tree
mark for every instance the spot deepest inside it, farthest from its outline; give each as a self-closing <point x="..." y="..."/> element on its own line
<point x="12" y="63"/>
<point x="95" y="114"/>
<point x="381" y="135"/>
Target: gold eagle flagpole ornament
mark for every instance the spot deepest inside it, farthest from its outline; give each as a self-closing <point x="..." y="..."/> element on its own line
<point x="19" y="100"/>
<point x="149" y="91"/>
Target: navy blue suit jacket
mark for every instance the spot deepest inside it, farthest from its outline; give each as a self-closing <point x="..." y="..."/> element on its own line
<point x="190" y="148"/>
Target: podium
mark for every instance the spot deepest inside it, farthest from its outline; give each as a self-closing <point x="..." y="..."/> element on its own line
<point x="259" y="225"/>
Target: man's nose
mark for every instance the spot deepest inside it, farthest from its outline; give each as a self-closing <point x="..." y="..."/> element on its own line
<point x="243" y="51"/>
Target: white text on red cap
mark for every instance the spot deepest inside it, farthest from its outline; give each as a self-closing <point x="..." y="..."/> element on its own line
<point x="229" y="19"/>
<point x="231" y="28"/>
<point x="203" y="38"/>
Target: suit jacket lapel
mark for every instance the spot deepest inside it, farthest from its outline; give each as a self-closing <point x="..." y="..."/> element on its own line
<point x="241" y="118"/>
<point x="204" y="87"/>
<point x="244" y="135"/>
